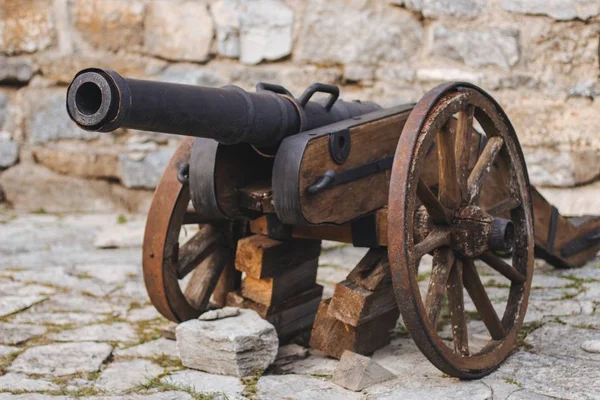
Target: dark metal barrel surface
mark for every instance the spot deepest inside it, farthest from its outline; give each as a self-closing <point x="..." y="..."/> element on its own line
<point x="102" y="100"/>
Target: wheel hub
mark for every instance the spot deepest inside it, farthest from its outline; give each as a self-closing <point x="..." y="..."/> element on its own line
<point x="475" y="232"/>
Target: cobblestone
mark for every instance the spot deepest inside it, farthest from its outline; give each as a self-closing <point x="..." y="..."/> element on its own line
<point x="107" y="343"/>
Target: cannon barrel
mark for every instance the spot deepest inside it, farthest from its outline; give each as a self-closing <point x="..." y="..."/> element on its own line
<point x="102" y="100"/>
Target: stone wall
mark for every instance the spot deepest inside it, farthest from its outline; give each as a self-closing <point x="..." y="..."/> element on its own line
<point x="538" y="57"/>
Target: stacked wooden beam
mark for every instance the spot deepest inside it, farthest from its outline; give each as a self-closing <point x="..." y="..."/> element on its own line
<point x="362" y="312"/>
<point x="280" y="281"/>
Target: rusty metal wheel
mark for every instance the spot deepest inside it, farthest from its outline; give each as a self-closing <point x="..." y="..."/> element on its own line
<point x="462" y="235"/>
<point x="206" y="257"/>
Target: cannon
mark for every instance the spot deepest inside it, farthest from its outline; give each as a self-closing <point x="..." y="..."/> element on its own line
<point x="437" y="191"/>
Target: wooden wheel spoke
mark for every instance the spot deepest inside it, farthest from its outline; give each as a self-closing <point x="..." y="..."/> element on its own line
<point x="479" y="296"/>
<point x="483" y="166"/>
<point x="457" y="309"/>
<point x="505" y="205"/>
<point x="434" y="240"/>
<point x="502" y="267"/>
<point x="439" y="214"/>
<point x="462" y="149"/>
<point x="442" y="264"/>
<point x="449" y="192"/>
<point x="204" y="279"/>
<point x="192" y="253"/>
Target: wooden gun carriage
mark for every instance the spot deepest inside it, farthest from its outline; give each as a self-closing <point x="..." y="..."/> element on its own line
<point x="267" y="177"/>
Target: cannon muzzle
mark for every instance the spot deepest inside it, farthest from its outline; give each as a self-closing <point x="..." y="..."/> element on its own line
<point x="102" y="100"/>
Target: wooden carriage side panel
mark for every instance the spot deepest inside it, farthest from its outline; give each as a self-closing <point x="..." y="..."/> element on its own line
<point x="370" y="143"/>
<point x="304" y="158"/>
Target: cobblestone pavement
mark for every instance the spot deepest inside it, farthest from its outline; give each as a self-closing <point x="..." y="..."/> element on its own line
<point x="75" y="320"/>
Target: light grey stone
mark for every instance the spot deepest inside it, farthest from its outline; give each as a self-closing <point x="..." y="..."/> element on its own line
<point x="59" y="359"/>
<point x="239" y="346"/>
<point x="301" y="387"/>
<point x="124" y="375"/>
<point x="57" y="318"/>
<point x="117" y="332"/>
<point x="143" y="314"/>
<point x="585" y="89"/>
<point x="220" y="313"/>
<point x="31" y="396"/>
<point x="364" y="74"/>
<point x="201" y="382"/>
<point x="120" y="236"/>
<point x="564" y="378"/>
<point x="523" y="394"/>
<point x="501" y="46"/>
<point x="470" y="390"/>
<point x="557" y="167"/>
<point x="538" y="309"/>
<point x="16" y="334"/>
<point x="330" y="29"/>
<point x="6" y="350"/>
<point x="226" y="15"/>
<point x="550" y="340"/>
<point x="107" y="273"/>
<point x="357" y="372"/>
<point x="256" y="30"/>
<point x="151" y="349"/>
<point x="191" y="74"/>
<point x="79" y="303"/>
<point x="145" y="173"/>
<point x="57" y="277"/>
<point x="445" y="74"/>
<point x="580" y="200"/>
<point x="189" y="39"/>
<point x="289" y="353"/>
<point x="438" y="8"/>
<point x="134" y="290"/>
<point x="559" y="10"/>
<point x="12" y="288"/>
<point x="591" y="346"/>
<point x="16" y="382"/>
<point x="45" y="119"/>
<point x="342" y="257"/>
<point x="316" y="364"/>
<point x="18" y="70"/>
<point x="9" y="153"/>
<point x="12" y="304"/>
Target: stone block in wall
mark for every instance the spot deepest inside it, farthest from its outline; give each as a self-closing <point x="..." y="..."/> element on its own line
<point x="3" y="109"/>
<point x="29" y="187"/>
<point x="9" y="151"/>
<point x="477" y="48"/>
<point x="438" y="8"/>
<point x="448" y="74"/>
<point x="561" y="167"/>
<point x="560" y="10"/>
<point x="110" y="24"/>
<point x="79" y="159"/>
<point x="560" y="139"/>
<point x="143" y="172"/>
<point x="62" y="69"/>
<point x="45" y="118"/>
<point x="354" y="73"/>
<point x="357" y="31"/>
<point x="15" y="70"/>
<point x="253" y="30"/>
<point x="178" y="30"/>
<point x="25" y="26"/>
<point x="561" y="55"/>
